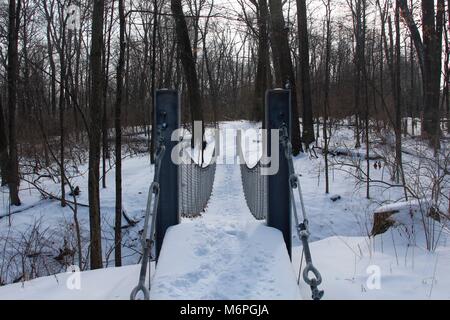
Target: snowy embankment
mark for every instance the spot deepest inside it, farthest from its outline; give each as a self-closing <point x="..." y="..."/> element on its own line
<point x="103" y="284"/>
<point x="226" y="254"/>
<point x="380" y="268"/>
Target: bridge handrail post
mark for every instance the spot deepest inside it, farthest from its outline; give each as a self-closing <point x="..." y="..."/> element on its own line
<point x="167" y="117"/>
<point x="278" y="115"/>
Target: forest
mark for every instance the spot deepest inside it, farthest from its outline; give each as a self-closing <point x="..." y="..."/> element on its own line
<point x="77" y="82"/>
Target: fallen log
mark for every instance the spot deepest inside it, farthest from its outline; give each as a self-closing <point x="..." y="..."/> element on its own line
<point x="351" y="153"/>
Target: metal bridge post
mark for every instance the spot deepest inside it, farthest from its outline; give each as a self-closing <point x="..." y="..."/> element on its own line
<point x="278" y="114"/>
<point x="166" y="120"/>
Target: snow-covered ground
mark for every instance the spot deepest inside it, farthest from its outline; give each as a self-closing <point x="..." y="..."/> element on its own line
<point x="227" y="254"/>
<point x="103" y="284"/>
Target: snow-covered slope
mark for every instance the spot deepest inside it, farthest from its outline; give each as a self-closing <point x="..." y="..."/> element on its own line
<point x="103" y="284"/>
<point x="379" y="268"/>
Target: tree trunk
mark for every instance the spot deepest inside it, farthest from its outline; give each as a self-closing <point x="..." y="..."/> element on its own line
<point x="50" y="60"/>
<point x="447" y="69"/>
<point x="395" y="86"/>
<point x="326" y="93"/>
<point x="413" y="108"/>
<point x="359" y="28"/>
<point x="284" y="71"/>
<point x="209" y="73"/>
<point x="263" y="65"/>
<point x="432" y="44"/>
<point x="106" y="55"/>
<point x="188" y="63"/>
<point x="95" y="133"/>
<point x="364" y="66"/>
<point x="3" y="147"/>
<point x="429" y="52"/>
<point x="308" y="125"/>
<point x="153" y="71"/>
<point x="127" y="70"/>
<point x="398" y="102"/>
<point x="62" y="81"/>
<point x="118" y="146"/>
<point x="13" y="70"/>
<point x="397" y="97"/>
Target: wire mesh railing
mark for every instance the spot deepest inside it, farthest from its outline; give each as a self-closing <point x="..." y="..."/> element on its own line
<point x="196" y="183"/>
<point x="255" y="190"/>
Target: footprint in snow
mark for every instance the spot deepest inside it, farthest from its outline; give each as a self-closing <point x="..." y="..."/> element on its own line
<point x="201" y="251"/>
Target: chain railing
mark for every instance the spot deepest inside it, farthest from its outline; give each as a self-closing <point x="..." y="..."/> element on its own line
<point x="148" y="233"/>
<point x="302" y="228"/>
<point x="255" y="190"/>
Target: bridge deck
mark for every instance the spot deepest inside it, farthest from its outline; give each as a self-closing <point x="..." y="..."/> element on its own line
<point x="226" y="253"/>
<point x="232" y="261"/>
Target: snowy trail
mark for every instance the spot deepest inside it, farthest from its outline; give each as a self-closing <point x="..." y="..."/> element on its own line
<point x="225" y="254"/>
<point x="227" y="201"/>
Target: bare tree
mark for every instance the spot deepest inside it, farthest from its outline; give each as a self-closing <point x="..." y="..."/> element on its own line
<point x="188" y="63"/>
<point x="305" y="78"/>
<point x="13" y="69"/>
<point x="105" y="67"/>
<point x="62" y="43"/>
<point x="153" y="81"/>
<point x="284" y="70"/>
<point x="429" y="53"/>
<point x="358" y="10"/>
<point x="263" y="78"/>
<point x="118" y="130"/>
<point x="446" y="95"/>
<point x="95" y="106"/>
<point x="326" y="104"/>
<point x="398" y="99"/>
<point x="48" y="16"/>
<point x="3" y="147"/>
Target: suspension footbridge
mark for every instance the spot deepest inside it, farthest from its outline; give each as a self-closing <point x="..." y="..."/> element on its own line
<point x="225" y="254"/>
<point x="240" y="247"/>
